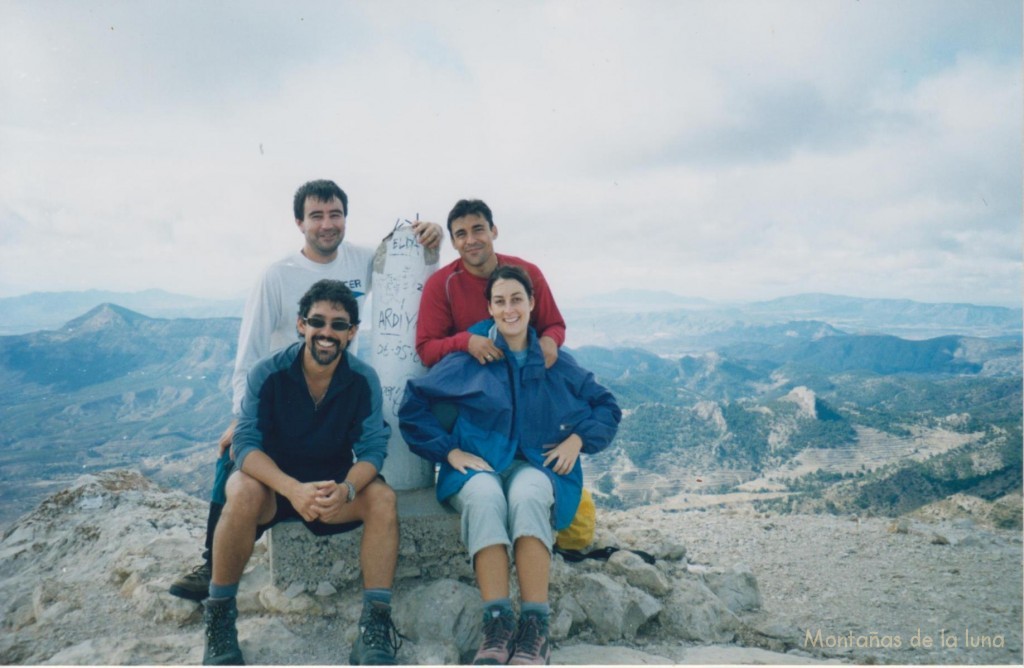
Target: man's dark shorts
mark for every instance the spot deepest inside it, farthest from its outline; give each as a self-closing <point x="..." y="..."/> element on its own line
<point x="286" y="513"/>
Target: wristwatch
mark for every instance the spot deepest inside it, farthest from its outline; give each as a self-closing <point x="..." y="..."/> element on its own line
<point x="351" y="490"/>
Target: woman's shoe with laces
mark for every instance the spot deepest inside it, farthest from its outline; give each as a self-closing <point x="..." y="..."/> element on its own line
<point x="499" y="638"/>
<point x="532" y="645"/>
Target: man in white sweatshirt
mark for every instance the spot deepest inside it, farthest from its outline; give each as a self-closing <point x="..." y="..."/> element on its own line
<point x="268" y="323"/>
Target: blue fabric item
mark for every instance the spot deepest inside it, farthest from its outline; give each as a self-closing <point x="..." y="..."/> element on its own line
<point x="502" y="407"/>
<point x="378" y="595"/>
<point x="542" y="609"/>
<point x="520" y="356"/>
<point x="223" y="591"/>
<point x="220" y="479"/>
<point x="498" y="605"/>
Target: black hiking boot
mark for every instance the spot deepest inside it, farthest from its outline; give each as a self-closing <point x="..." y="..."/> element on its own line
<point x="221" y="636"/>
<point x="194" y="585"/>
<point x="378" y="640"/>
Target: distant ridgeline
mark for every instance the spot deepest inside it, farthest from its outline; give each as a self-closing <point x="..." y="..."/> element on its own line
<point x="797" y="410"/>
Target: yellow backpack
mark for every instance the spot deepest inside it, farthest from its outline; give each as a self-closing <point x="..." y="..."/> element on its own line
<point x="580" y="533"/>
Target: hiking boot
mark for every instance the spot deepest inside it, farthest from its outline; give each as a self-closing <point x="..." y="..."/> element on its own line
<point x="194" y="585"/>
<point x="378" y="640"/>
<point x="499" y="639"/>
<point x="532" y="646"/>
<point x="221" y="636"/>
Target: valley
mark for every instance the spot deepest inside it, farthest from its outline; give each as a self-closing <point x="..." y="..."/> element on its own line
<point x="792" y="415"/>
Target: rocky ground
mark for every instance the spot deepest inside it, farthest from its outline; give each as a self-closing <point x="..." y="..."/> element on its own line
<point x="83" y="581"/>
<point x="939" y="588"/>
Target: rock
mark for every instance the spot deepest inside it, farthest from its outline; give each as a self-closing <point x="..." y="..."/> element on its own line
<point x="614" y="611"/>
<point x="266" y="640"/>
<point x="901" y="525"/>
<point x="731" y="655"/>
<point x="693" y="612"/>
<point x="445" y="611"/>
<point x="434" y="654"/>
<point x="294" y="589"/>
<point x="939" y="539"/>
<point x="325" y="589"/>
<point x="560" y="624"/>
<point x="569" y="604"/>
<point x="736" y="588"/>
<point x="672" y="551"/>
<point x="274" y="600"/>
<point x="112" y="650"/>
<point x="602" y="598"/>
<point x="638" y="572"/>
<point x="151" y="600"/>
<point x="603" y="655"/>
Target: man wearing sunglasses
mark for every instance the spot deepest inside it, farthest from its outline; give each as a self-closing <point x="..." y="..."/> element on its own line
<point x="309" y="411"/>
<point x="268" y="322"/>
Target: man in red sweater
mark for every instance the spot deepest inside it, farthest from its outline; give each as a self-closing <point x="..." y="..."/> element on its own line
<point x="453" y="297"/>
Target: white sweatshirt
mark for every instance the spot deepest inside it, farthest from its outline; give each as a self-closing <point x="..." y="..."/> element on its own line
<point x="268" y="322"/>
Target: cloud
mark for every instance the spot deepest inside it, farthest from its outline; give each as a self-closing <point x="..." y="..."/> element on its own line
<point x="729" y="150"/>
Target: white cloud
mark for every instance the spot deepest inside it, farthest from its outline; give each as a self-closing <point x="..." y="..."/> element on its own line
<point x="729" y="150"/>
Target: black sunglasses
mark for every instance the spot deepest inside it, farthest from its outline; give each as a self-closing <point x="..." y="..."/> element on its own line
<point x="316" y="322"/>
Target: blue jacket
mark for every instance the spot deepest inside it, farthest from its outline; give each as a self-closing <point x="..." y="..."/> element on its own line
<point x="502" y="408"/>
<point x="306" y="441"/>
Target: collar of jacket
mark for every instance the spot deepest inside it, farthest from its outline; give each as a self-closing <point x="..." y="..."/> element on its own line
<point x="341" y="379"/>
<point x="533" y="368"/>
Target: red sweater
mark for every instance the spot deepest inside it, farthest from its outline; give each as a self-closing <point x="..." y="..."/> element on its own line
<point x="453" y="301"/>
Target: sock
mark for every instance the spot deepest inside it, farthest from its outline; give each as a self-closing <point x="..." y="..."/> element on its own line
<point x="376" y="596"/>
<point x="495" y="607"/>
<point x="223" y="591"/>
<point x="540" y="609"/>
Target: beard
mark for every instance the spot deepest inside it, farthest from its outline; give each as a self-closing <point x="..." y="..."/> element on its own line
<point x="325" y="357"/>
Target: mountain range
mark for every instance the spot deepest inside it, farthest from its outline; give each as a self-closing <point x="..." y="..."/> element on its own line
<point x="659" y="318"/>
<point x="114" y="387"/>
<point x="51" y="310"/>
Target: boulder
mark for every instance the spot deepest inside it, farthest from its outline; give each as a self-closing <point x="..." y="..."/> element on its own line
<point x="446" y="611"/>
<point x="737" y="588"/>
<point x="615" y="611"/>
<point x="693" y="612"/>
<point x="639" y="573"/>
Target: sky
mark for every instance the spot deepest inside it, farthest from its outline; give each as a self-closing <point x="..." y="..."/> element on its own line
<point x="729" y="150"/>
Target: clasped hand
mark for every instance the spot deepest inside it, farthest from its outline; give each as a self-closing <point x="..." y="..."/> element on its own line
<point x="322" y="500"/>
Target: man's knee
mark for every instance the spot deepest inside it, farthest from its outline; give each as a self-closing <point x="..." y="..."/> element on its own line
<point x="246" y="495"/>
<point x="381" y="502"/>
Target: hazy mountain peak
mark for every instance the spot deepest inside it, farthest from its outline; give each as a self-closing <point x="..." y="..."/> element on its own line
<point x="105" y="316"/>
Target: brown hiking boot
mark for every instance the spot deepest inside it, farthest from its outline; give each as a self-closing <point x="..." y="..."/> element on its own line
<point x="194" y="585"/>
<point x="532" y="645"/>
<point x="499" y="639"/>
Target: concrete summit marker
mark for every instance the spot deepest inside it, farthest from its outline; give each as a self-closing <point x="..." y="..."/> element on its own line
<point x="400" y="268"/>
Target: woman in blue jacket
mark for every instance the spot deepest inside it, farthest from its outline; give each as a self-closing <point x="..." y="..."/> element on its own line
<point x="510" y="464"/>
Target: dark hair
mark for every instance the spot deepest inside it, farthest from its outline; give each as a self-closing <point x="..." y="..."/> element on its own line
<point x="335" y="292"/>
<point x="468" y="207"/>
<point x="510" y="272"/>
<point x="322" y="190"/>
